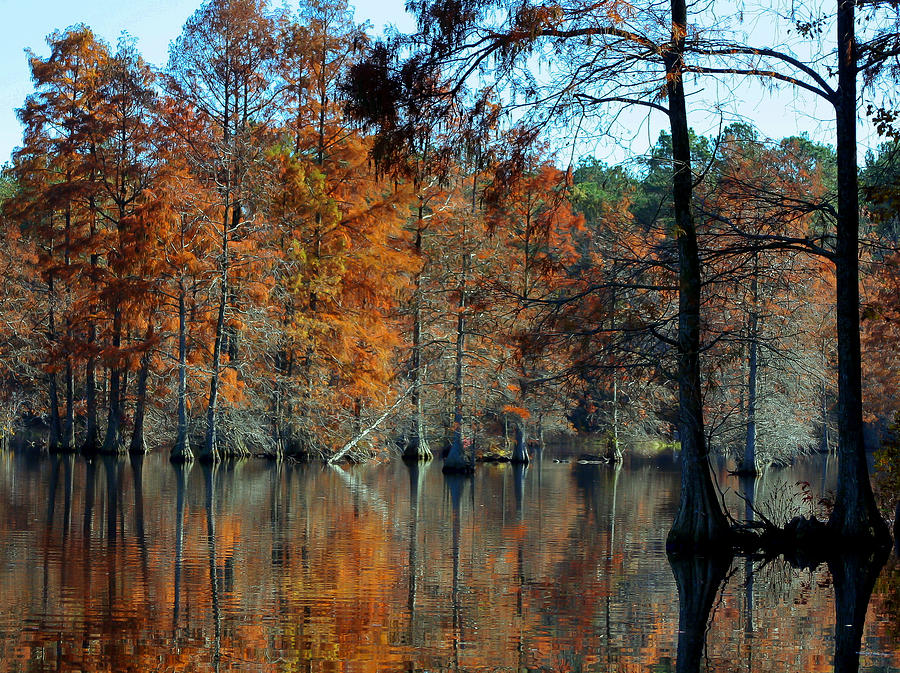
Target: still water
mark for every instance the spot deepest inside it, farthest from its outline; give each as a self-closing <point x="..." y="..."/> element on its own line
<point x="136" y="565"/>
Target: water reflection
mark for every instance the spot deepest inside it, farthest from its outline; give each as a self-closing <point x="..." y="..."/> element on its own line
<point x="854" y="574"/>
<point x="181" y="473"/>
<point x="698" y="579"/>
<point x="133" y="563"/>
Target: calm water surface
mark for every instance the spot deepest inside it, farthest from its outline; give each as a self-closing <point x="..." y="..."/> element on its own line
<point x="135" y="565"/>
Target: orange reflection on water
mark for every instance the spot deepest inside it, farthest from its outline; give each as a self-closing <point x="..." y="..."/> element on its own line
<point x="137" y="565"/>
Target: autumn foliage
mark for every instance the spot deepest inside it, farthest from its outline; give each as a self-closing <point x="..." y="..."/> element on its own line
<point x="217" y="257"/>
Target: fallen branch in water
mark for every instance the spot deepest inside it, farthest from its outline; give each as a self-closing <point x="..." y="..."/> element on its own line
<point x="356" y="440"/>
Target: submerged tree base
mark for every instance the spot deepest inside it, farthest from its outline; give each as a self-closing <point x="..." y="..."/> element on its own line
<point x="458" y="468"/>
<point x="416" y="450"/>
<point x="805" y="541"/>
<point x="457" y="463"/>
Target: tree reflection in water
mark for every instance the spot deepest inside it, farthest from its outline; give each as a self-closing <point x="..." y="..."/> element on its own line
<point x="698" y="579"/>
<point x="854" y="574"/>
<point x="280" y="567"/>
<point x="209" y="480"/>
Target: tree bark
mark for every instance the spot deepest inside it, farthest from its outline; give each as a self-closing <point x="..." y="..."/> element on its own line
<point x="748" y="464"/>
<point x="92" y="433"/>
<point x="210" y="452"/>
<point x="113" y="442"/>
<point x="138" y="444"/>
<point x="417" y="447"/>
<point x="54" y="440"/>
<point x="520" y="450"/>
<point x="68" y="437"/>
<point x="181" y="450"/>
<point x="855" y="515"/>
<point x="456" y="460"/>
<point x="700" y="521"/>
<point x="67" y="441"/>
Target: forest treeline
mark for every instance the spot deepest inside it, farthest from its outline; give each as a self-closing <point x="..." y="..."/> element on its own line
<point x="275" y="244"/>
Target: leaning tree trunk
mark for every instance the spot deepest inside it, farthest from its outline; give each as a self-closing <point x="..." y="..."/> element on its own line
<point x="700" y="521"/>
<point x="855" y="515"/>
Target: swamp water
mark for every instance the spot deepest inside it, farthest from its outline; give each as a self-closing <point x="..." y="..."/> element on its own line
<point x="136" y="565"/>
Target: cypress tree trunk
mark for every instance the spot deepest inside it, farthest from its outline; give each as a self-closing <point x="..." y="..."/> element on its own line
<point x="67" y="442"/>
<point x="92" y="433"/>
<point x="700" y="521"/>
<point x="614" y="454"/>
<point x="456" y="460"/>
<point x="113" y="442"/>
<point x="54" y="440"/>
<point x="417" y="448"/>
<point x="826" y="442"/>
<point x="520" y="450"/>
<point x="210" y="452"/>
<point x="748" y="464"/>
<point x="855" y="515"/>
<point x="181" y="450"/>
<point x="138" y="444"/>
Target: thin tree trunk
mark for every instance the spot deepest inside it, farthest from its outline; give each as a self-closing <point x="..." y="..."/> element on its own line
<point x="699" y="521"/>
<point x="68" y="438"/>
<point x="520" y="450"/>
<point x="417" y="447"/>
<point x="54" y="441"/>
<point x="826" y="443"/>
<point x="855" y="514"/>
<point x="456" y="459"/>
<point x="210" y="452"/>
<point x="113" y="442"/>
<point x="748" y="464"/>
<point x="138" y="444"/>
<point x="181" y="450"/>
<point x="92" y="433"/>
<point x="67" y="442"/>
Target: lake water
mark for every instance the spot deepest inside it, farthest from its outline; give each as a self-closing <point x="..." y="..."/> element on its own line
<point x="122" y="565"/>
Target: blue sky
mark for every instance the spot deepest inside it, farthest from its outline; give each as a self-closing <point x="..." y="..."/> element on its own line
<point x="155" y="23"/>
<point x="24" y="24"/>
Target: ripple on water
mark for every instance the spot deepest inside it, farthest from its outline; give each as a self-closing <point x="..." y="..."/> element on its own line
<point x="263" y="567"/>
